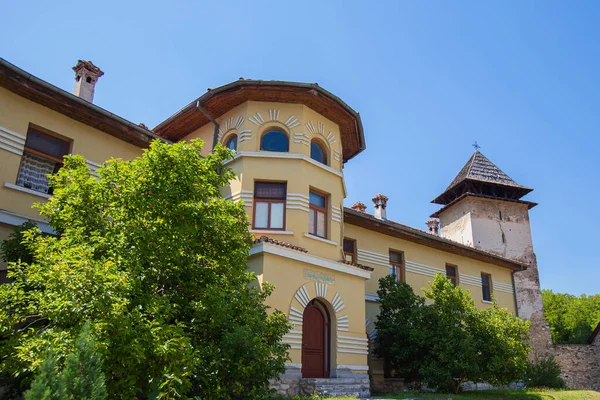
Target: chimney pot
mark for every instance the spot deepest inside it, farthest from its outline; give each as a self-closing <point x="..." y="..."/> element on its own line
<point x="359" y="206"/>
<point x="380" y="203"/>
<point x="86" y="76"/>
<point x="434" y="226"/>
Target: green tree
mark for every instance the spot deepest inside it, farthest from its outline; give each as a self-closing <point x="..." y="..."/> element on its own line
<point x="572" y="319"/>
<point x="156" y="259"/>
<point x="13" y="249"/>
<point x="47" y="384"/>
<point x="447" y="341"/>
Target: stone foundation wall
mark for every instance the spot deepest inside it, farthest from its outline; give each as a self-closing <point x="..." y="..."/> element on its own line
<point x="580" y="365"/>
<point x="389" y="385"/>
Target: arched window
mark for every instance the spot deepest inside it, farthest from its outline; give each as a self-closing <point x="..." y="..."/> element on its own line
<point x="317" y="152"/>
<point x="274" y="141"/>
<point x="232" y="143"/>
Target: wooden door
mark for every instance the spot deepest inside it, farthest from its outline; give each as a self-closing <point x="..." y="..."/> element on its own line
<point x="314" y="337"/>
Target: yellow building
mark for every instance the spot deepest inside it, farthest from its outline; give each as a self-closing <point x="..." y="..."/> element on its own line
<point x="291" y="142"/>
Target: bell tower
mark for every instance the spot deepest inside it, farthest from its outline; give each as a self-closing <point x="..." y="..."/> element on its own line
<point x="483" y="208"/>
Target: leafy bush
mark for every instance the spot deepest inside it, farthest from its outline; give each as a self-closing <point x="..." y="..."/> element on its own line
<point x="13" y="249"/>
<point x="449" y="341"/>
<point x="82" y="378"/>
<point x="544" y="373"/>
<point x="156" y="260"/>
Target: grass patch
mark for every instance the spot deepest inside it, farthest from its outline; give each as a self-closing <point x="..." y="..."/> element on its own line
<point x="527" y="394"/>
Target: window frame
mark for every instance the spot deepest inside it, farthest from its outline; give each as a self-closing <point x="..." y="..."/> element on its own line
<point x="229" y="139"/>
<point x="352" y="255"/>
<point x="256" y="200"/>
<point x="489" y="286"/>
<point x="397" y="269"/>
<point x="59" y="161"/>
<point x="455" y="283"/>
<point x="323" y="149"/>
<point x="318" y="209"/>
<point x="266" y="132"/>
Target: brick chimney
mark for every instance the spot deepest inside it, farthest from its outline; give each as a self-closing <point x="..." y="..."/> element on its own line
<point x="380" y="203"/>
<point x="359" y="206"/>
<point x="434" y="226"/>
<point x="86" y="76"/>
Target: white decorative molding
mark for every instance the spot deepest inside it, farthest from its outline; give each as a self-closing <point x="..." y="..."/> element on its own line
<point x="371" y="297"/>
<point x="12" y="142"/>
<point x="302" y="296"/>
<point x="243" y="195"/>
<point x="93" y="167"/>
<point x="301" y="138"/>
<point x="337" y="303"/>
<point x="270" y="248"/>
<point x="256" y="119"/>
<point x="353" y="367"/>
<point x="502" y="287"/>
<point x="320" y="239"/>
<point x="25" y="190"/>
<point x="229" y="124"/>
<point x="293" y="365"/>
<point x="311" y="128"/>
<point x="331" y="138"/>
<point x="464" y="279"/>
<point x="353" y="351"/>
<point x="321" y="289"/>
<point x="342" y="323"/>
<point x="337" y="156"/>
<point x="273" y="114"/>
<point x="291" y="122"/>
<point x="336" y="214"/>
<point x="297" y="201"/>
<point x="276" y="154"/>
<point x="369" y="257"/>
<point x="270" y="232"/>
<point x="10" y="218"/>
<point x="371" y="333"/>
<point x="246" y="134"/>
<point x="321" y="128"/>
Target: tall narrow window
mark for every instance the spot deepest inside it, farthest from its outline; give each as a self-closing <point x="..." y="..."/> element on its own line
<point x="43" y="155"/>
<point x="317" y="216"/>
<point x="397" y="265"/>
<point x="274" y="141"/>
<point x="486" y="286"/>
<point x="451" y="274"/>
<point x="269" y="205"/>
<point x="350" y="250"/>
<point x="317" y="152"/>
<point x="232" y="143"/>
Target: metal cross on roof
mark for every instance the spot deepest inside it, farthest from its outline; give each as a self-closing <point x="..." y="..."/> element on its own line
<point x="476" y="146"/>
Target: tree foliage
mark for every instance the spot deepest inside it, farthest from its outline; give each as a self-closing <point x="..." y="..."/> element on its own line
<point x="81" y="379"/>
<point x="13" y="249"/>
<point x="544" y="373"/>
<point x="572" y="319"/>
<point x="447" y="341"/>
<point x="156" y="259"/>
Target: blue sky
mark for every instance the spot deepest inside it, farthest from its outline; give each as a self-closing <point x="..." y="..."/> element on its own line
<point x="428" y="78"/>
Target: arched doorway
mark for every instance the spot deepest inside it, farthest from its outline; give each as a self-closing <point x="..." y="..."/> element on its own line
<point x="316" y="339"/>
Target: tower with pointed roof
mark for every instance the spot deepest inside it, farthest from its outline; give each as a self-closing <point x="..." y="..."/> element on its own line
<point x="483" y="208"/>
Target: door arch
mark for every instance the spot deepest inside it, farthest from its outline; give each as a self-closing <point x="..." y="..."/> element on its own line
<point x="316" y="340"/>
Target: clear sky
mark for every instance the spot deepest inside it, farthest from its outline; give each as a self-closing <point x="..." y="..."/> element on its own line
<point x="428" y="78"/>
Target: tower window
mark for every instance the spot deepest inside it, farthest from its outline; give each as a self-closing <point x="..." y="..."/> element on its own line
<point x="43" y="155"/>
<point x="275" y="140"/>
<point x="317" y="215"/>
<point x="269" y="205"/>
<point x="451" y="274"/>
<point x="397" y="265"/>
<point x="317" y="152"/>
<point x="231" y="144"/>
<point x="350" y="250"/>
<point x="486" y="286"/>
<point x="88" y="79"/>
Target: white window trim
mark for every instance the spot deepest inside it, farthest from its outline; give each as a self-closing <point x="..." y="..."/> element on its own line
<point x="311" y="236"/>
<point x="10" y="218"/>
<point x="272" y="232"/>
<point x="371" y="297"/>
<point x="25" y="190"/>
<point x="487" y="301"/>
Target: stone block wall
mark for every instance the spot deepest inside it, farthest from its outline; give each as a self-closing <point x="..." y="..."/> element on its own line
<point x="580" y="365"/>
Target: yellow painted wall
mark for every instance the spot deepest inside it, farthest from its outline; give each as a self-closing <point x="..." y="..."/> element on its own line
<point x="16" y="113"/>
<point x="288" y="276"/>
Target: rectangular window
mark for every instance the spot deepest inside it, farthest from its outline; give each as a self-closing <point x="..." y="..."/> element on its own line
<point x="317" y="214"/>
<point x="43" y="155"/>
<point x="350" y="250"/>
<point x="451" y="274"/>
<point x="397" y="265"/>
<point x="486" y="286"/>
<point x="269" y="205"/>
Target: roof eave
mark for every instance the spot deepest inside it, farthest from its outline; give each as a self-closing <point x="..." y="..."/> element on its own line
<point x="424" y="238"/>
